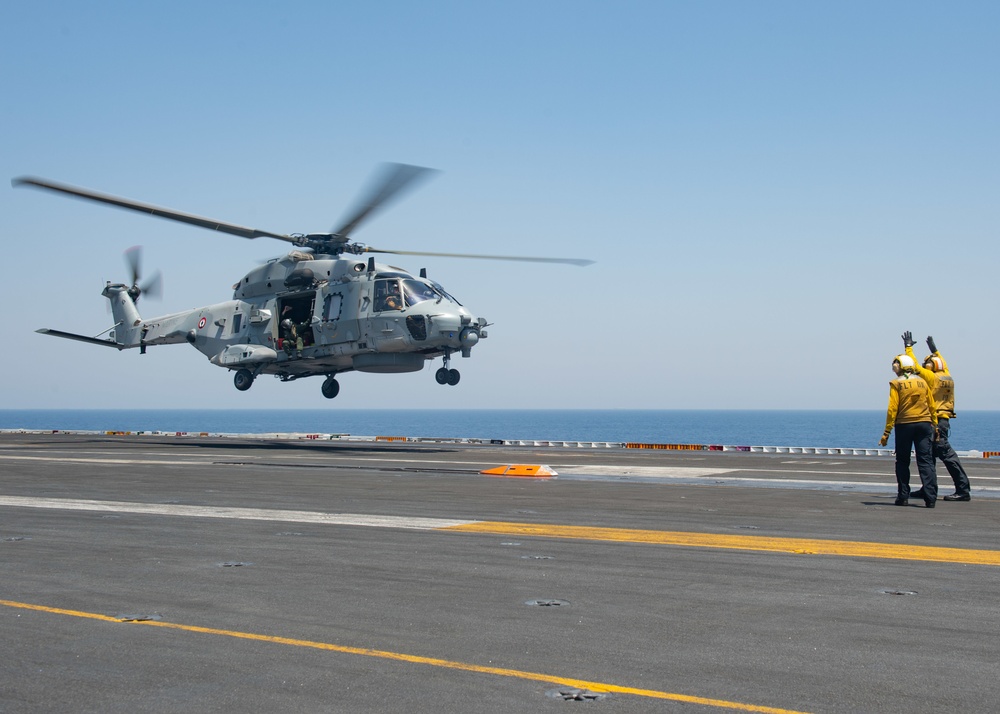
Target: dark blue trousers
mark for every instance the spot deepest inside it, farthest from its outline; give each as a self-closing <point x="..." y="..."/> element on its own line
<point x="943" y="451"/>
<point x="920" y="438"/>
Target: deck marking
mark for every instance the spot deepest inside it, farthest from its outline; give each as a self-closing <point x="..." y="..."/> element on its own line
<point x="610" y="470"/>
<point x="81" y="460"/>
<point x="415" y="659"/>
<point x="252" y="514"/>
<point x="806" y="546"/>
<point x="892" y="551"/>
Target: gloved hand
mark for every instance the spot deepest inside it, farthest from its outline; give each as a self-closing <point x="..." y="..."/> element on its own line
<point x="908" y="339"/>
<point x="884" y="440"/>
<point x="936" y="434"/>
<point x="930" y="344"/>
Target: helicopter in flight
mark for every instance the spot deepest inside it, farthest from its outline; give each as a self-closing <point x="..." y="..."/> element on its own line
<point x="320" y="310"/>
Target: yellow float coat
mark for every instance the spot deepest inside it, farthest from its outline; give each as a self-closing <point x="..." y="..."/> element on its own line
<point x="910" y="401"/>
<point x="941" y="384"/>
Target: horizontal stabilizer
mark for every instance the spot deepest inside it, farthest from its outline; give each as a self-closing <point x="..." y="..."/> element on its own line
<point x="81" y="338"/>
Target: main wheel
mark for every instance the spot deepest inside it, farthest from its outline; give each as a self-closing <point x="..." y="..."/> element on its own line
<point x="442" y="375"/>
<point x="243" y="380"/>
<point x="331" y="387"/>
<point x="453" y="377"/>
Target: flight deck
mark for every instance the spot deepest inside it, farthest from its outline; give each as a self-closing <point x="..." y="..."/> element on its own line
<point x="157" y="573"/>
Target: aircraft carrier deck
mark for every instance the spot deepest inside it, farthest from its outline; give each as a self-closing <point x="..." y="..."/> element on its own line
<point x="162" y="574"/>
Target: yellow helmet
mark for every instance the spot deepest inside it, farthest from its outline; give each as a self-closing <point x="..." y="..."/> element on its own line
<point x="906" y="363"/>
<point x="934" y="363"/>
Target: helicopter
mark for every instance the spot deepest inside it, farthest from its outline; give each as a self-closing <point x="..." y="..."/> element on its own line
<point x="322" y="309"/>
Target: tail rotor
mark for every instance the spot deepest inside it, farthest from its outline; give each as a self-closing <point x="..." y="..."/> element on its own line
<point x="152" y="287"/>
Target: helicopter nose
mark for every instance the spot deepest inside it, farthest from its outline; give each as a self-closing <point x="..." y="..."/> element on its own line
<point x="469" y="338"/>
<point x="457" y="330"/>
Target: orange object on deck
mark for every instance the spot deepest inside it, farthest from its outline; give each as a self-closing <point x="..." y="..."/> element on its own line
<point x="537" y="470"/>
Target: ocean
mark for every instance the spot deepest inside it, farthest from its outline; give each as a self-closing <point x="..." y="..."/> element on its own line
<point x="973" y="430"/>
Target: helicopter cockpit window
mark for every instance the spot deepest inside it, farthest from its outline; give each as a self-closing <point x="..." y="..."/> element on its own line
<point x="415" y="291"/>
<point x="387" y="295"/>
<point x="437" y="286"/>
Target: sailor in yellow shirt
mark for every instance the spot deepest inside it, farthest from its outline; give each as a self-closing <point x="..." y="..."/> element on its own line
<point x="935" y="372"/>
<point x="914" y="415"/>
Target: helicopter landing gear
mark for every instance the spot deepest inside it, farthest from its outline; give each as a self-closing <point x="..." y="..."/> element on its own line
<point x="446" y="375"/>
<point x="331" y="387"/>
<point x="243" y="380"/>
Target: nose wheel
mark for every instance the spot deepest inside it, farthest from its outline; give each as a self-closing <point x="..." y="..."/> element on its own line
<point x="445" y="375"/>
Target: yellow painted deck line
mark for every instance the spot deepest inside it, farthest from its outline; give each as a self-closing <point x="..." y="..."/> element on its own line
<point x="857" y="549"/>
<point x="416" y="659"/>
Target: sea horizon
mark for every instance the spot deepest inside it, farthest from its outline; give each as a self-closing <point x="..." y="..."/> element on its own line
<point x="853" y="428"/>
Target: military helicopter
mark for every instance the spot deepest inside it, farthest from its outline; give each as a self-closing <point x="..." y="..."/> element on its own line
<point x="320" y="310"/>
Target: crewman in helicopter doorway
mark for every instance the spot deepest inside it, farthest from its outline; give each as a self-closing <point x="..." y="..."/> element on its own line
<point x="290" y="333"/>
<point x="914" y="415"/>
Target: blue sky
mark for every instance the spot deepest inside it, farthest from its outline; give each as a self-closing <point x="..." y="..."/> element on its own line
<point x="773" y="191"/>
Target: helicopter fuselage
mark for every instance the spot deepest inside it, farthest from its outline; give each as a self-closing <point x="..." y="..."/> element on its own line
<point x="303" y="315"/>
<point x="319" y="310"/>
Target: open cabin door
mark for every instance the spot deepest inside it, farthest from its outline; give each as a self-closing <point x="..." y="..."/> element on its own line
<point x="294" y="326"/>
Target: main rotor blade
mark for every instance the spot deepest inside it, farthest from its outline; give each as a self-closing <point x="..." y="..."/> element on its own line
<point x="391" y="181"/>
<point x="167" y="213"/>
<point x="582" y="262"/>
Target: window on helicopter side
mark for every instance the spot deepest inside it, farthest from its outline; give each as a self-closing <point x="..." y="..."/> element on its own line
<point x="387" y="295"/>
<point x="332" y="305"/>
